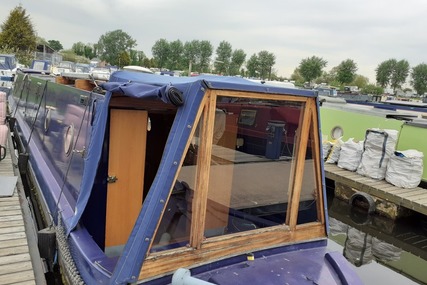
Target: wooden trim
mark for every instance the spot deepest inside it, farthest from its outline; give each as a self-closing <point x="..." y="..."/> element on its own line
<point x="193" y="130"/>
<point x="316" y="159"/>
<point x="203" y="172"/>
<point x="242" y="94"/>
<point x="199" y="250"/>
<point x="301" y="149"/>
<point x="215" y="249"/>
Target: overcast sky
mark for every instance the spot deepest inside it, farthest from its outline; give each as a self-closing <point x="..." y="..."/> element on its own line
<point x="366" y="31"/>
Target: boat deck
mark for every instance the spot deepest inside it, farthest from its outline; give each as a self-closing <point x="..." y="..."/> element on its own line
<point x="20" y="262"/>
<point x="414" y="199"/>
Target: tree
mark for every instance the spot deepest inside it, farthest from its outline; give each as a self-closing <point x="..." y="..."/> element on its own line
<point x="205" y="54"/>
<point x="223" y="57"/>
<point x="266" y="60"/>
<point x="310" y="68"/>
<point x="384" y="71"/>
<point x="346" y="71"/>
<point x="78" y="48"/>
<point x="136" y="57"/>
<point x="399" y="74"/>
<point x="176" y="49"/>
<point x="252" y="65"/>
<point x="191" y="55"/>
<point x="237" y="59"/>
<point x="56" y="45"/>
<point x="419" y="78"/>
<point x="296" y="76"/>
<point x="372" y="89"/>
<point x="17" y="34"/>
<point x="360" y="81"/>
<point x="112" y="44"/>
<point x="160" y="51"/>
<point x="124" y="59"/>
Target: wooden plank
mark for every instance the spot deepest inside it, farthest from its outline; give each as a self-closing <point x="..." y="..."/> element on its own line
<point x="13" y="250"/>
<point x="18" y="277"/>
<point x="215" y="248"/>
<point x="13" y="229"/>
<point x="415" y="194"/>
<point x="6" y="224"/>
<point x="15" y="267"/>
<point x="10" y="213"/>
<point x="13" y="242"/>
<point x="9" y="207"/>
<point x="413" y="199"/>
<point x="10" y="218"/>
<point x="19" y="235"/>
<point x="14" y="258"/>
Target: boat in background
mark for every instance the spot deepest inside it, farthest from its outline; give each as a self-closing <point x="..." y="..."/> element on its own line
<point x="159" y="180"/>
<point x="8" y="67"/>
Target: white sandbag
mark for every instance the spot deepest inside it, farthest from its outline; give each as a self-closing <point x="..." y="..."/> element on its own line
<point x="405" y="168"/>
<point x="350" y="155"/>
<point x="334" y="154"/>
<point x="379" y="145"/>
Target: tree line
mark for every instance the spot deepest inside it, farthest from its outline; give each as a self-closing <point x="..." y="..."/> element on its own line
<point x="17" y="35"/>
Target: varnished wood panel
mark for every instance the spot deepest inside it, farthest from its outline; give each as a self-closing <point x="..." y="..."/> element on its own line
<point x="128" y="134"/>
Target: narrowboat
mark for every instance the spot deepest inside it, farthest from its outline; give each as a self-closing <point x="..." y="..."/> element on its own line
<point x="149" y="179"/>
<point x="7" y="71"/>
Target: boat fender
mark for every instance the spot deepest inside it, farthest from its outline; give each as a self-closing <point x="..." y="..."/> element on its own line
<point x="175" y="96"/>
<point x="365" y="197"/>
<point x="23" y="162"/>
<point x="47" y="245"/>
<point x="183" y="277"/>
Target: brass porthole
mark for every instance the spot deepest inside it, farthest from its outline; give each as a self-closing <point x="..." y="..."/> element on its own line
<point x="68" y="139"/>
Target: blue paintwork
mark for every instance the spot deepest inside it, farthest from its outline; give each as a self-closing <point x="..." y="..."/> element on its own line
<point x="88" y="112"/>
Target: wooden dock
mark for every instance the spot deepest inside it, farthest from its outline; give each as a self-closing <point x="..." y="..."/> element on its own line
<point x="20" y="261"/>
<point x="414" y="199"/>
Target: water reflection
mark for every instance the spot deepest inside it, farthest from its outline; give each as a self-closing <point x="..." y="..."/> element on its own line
<point x="383" y="251"/>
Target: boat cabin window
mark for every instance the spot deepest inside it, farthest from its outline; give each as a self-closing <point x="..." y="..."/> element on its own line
<point x="251" y="165"/>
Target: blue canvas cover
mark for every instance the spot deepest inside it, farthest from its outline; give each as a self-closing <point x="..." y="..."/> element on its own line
<point x="151" y="86"/>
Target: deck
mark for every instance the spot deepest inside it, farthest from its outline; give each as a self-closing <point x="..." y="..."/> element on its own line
<point x="20" y="262"/>
<point x="414" y="199"/>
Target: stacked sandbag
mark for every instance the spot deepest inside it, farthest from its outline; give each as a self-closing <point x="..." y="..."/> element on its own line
<point x="350" y="155"/>
<point x="405" y="168"/>
<point x="334" y="154"/>
<point x="379" y="145"/>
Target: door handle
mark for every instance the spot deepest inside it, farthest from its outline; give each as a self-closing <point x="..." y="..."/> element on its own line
<point x="111" y="179"/>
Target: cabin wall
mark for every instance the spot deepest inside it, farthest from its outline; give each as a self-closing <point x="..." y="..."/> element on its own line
<point x="48" y="113"/>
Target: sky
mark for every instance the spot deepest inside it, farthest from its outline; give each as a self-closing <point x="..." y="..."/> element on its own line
<point x="366" y="31"/>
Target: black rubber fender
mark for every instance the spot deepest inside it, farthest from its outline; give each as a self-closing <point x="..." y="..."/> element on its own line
<point x="366" y="197"/>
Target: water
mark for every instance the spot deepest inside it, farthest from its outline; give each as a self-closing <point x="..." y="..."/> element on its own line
<point x="383" y="251"/>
